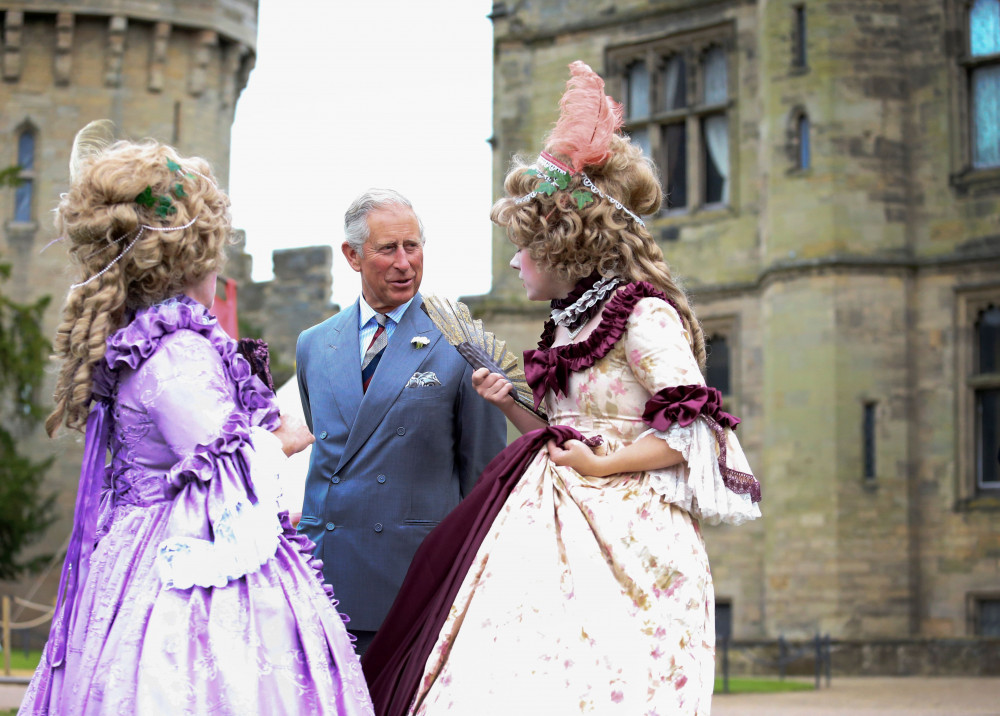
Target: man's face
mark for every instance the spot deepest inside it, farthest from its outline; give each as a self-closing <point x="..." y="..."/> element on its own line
<point x="391" y="262"/>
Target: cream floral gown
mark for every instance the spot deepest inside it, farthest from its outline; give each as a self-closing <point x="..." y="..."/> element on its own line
<point x="594" y="595"/>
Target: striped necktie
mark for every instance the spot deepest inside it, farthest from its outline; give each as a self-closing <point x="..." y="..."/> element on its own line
<point x="374" y="353"/>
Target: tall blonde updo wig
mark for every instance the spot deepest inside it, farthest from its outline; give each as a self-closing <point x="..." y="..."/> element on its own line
<point x="99" y="218"/>
<point x="574" y="242"/>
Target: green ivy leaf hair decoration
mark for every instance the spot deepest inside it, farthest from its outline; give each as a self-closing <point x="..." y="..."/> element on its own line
<point x="583" y="197"/>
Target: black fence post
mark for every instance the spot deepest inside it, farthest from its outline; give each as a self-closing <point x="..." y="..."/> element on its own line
<point x="725" y="664"/>
<point x="828" y="655"/>
<point x="818" y="657"/>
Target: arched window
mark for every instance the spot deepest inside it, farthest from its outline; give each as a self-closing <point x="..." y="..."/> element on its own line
<point x="24" y="193"/>
<point x="984" y="82"/>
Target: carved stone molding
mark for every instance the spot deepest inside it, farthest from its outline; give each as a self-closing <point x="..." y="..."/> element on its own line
<point x="64" y="48"/>
<point x="117" y="27"/>
<point x="158" y="55"/>
<point x="12" y="29"/>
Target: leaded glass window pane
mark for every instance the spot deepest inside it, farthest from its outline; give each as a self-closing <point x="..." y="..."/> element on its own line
<point x="717" y="367"/>
<point x="988" y="433"/>
<point x="638" y="91"/>
<point x="674" y="84"/>
<point x="984" y="28"/>
<point x="986" y="116"/>
<point x="989" y="617"/>
<point x="26" y="151"/>
<point x="988" y="338"/>
<point x="804" y="149"/>
<point x="716" y="77"/>
<point x="675" y="141"/>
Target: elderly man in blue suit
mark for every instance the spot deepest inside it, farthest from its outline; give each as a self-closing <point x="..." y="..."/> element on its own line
<point x="401" y="435"/>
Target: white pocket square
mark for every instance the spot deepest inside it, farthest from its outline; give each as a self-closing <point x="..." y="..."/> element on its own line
<point x="422" y="380"/>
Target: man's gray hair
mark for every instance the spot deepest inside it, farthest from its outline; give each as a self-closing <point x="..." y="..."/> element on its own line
<point x="356" y="218"/>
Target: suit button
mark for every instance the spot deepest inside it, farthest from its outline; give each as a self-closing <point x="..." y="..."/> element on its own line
<point x="400" y="431"/>
<point x="330" y="527"/>
<point x="335" y="479"/>
<point x="378" y="526"/>
<point x="322" y="435"/>
<point x="380" y="479"/>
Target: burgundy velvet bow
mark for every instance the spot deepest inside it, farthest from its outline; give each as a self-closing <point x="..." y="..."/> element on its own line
<point x="681" y="404"/>
<point x="543" y="370"/>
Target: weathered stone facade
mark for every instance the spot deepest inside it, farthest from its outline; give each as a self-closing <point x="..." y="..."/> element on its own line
<point x="297" y="298"/>
<point x="170" y="69"/>
<point x="843" y="288"/>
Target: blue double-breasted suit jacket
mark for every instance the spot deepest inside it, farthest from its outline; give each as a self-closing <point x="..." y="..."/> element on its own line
<point x="388" y="464"/>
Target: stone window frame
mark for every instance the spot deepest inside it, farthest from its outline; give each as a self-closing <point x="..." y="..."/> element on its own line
<point x="728" y="327"/>
<point x="970" y="302"/>
<point x="965" y="179"/>
<point x="692" y="45"/>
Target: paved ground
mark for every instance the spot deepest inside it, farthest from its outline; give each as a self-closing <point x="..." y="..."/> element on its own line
<point x="858" y="696"/>
<point x="873" y="696"/>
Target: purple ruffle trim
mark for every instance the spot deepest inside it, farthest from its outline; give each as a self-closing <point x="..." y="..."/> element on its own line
<point x="132" y="345"/>
<point x="549" y="368"/>
<point x="683" y="404"/>
<point x="306" y="547"/>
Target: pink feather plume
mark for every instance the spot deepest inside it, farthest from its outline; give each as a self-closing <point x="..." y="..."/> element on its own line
<point x="587" y="119"/>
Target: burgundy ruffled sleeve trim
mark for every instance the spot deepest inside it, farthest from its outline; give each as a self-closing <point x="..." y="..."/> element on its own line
<point x="683" y="404"/>
<point x="549" y="368"/>
<point x="133" y="344"/>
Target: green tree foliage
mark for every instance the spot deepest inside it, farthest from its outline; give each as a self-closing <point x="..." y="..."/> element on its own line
<point x="25" y="510"/>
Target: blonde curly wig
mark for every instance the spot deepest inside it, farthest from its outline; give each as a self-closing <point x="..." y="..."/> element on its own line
<point x="574" y="242"/>
<point x="98" y="218"/>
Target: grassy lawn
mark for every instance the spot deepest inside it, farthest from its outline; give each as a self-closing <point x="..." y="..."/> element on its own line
<point x="762" y="686"/>
<point x="22" y="663"/>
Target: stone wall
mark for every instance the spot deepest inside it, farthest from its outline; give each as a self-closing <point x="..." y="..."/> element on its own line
<point x="842" y="286"/>
<point x="170" y="70"/>
<point x="297" y="298"/>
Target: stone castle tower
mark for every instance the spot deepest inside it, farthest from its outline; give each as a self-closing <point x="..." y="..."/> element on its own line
<point x="833" y="179"/>
<point x="167" y="69"/>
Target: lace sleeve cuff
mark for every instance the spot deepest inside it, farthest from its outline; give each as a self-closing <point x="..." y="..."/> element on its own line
<point x="697" y="484"/>
<point x="235" y="482"/>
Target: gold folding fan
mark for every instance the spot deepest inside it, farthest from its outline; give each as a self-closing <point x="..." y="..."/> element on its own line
<point x="479" y="347"/>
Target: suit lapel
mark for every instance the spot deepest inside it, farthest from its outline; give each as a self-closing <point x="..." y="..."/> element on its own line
<point x="399" y="362"/>
<point x="343" y="353"/>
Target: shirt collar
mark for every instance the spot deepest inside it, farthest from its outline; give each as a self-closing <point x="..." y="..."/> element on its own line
<point x="367" y="313"/>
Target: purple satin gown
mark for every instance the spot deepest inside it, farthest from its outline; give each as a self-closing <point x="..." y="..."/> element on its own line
<point x="185" y="591"/>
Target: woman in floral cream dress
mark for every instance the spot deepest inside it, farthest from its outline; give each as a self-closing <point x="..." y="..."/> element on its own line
<point x="588" y="589"/>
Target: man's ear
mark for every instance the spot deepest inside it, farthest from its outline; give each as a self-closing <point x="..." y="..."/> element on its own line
<point x="352" y="256"/>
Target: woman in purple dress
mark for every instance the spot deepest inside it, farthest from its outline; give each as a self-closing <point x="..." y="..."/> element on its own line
<point x="184" y="589"/>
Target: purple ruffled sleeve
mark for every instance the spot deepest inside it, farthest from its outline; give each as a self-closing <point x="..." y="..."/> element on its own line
<point x="223" y="523"/>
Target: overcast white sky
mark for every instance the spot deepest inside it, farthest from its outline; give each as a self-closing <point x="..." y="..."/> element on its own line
<point x="350" y="95"/>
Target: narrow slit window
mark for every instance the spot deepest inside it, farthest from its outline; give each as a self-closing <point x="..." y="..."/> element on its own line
<point x="804" y="148"/>
<point x="799" y="55"/>
<point x="987" y="400"/>
<point x="868" y="430"/>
